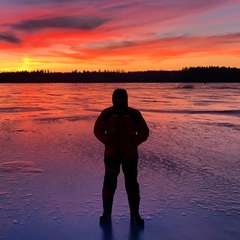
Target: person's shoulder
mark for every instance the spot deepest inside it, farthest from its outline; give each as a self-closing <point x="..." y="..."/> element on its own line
<point x="107" y="111"/>
<point x="134" y="111"/>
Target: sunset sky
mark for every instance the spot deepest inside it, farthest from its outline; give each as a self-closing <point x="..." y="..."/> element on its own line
<point x="130" y="35"/>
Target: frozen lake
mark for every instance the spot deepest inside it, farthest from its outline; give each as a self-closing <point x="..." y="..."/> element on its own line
<point x="51" y="165"/>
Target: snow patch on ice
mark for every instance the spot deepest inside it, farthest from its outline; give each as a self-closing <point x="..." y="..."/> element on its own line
<point x="19" y="166"/>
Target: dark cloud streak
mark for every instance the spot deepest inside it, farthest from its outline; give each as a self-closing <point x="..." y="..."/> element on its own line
<point x="168" y="42"/>
<point x="9" y="38"/>
<point x="36" y="2"/>
<point x="118" y="7"/>
<point x="64" y="22"/>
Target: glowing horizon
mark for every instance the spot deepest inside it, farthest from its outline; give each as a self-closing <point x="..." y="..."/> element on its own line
<point x="112" y="35"/>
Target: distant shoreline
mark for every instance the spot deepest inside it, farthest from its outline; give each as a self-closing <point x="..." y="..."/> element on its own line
<point x="186" y="75"/>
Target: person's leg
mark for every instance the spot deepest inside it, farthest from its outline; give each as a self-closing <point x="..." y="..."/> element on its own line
<point x="112" y="169"/>
<point x="132" y="188"/>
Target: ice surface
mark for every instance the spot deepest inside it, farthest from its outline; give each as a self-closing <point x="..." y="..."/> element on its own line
<point x="51" y="165"/>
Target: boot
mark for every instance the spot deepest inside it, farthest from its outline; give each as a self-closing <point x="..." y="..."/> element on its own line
<point x="107" y="209"/>
<point x="134" y="203"/>
<point x="137" y="220"/>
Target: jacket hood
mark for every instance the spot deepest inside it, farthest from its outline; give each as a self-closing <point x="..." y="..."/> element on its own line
<point x="120" y="98"/>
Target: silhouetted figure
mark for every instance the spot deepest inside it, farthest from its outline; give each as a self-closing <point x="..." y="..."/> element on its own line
<point x="121" y="129"/>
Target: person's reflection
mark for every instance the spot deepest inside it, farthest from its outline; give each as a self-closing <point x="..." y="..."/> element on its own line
<point x="107" y="233"/>
<point x="135" y="232"/>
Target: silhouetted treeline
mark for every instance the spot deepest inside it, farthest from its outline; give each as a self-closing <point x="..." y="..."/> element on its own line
<point x="192" y="74"/>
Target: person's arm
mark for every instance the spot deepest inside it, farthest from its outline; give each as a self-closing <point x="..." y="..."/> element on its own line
<point x="100" y="129"/>
<point x="142" y="130"/>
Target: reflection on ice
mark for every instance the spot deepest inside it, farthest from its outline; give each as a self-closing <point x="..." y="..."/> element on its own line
<point x="20" y="109"/>
<point x="216" y="112"/>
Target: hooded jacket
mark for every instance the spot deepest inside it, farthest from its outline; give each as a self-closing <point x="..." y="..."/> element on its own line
<point x="122" y="129"/>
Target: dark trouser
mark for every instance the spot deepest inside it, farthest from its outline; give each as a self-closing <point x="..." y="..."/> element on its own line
<point x="112" y="170"/>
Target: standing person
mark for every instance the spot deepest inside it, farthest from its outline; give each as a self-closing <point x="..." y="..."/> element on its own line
<point x="122" y="129"/>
